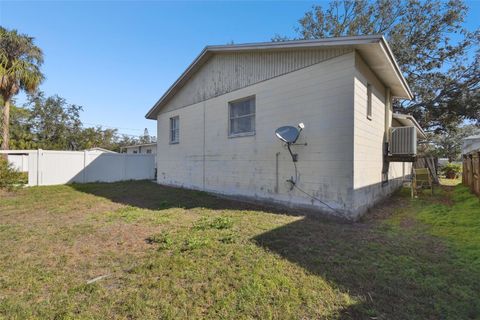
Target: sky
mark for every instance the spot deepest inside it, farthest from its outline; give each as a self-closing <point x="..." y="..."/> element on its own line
<point x="116" y="59"/>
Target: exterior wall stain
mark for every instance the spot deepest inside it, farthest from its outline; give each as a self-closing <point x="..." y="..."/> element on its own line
<point x="320" y="95"/>
<point x="341" y="148"/>
<point x="227" y="72"/>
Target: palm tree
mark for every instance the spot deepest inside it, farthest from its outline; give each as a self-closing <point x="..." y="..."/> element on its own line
<point x="20" y="62"/>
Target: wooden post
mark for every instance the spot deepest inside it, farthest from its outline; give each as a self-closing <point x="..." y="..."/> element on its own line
<point x="476" y="173"/>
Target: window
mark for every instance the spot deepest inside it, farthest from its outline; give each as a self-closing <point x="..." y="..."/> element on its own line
<point x="149" y="151"/>
<point x="369" y="101"/>
<point x="241" y="117"/>
<point x="174" y="130"/>
<point x="135" y="151"/>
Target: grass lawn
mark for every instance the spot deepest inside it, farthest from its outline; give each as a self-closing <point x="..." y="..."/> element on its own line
<point x="168" y="253"/>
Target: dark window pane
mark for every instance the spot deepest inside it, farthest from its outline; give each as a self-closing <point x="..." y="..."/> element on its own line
<point x="242" y="108"/>
<point x="242" y="116"/>
<point x="242" y="125"/>
<point x="174" y="129"/>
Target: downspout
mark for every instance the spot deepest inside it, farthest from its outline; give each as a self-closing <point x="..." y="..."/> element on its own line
<point x="386" y="135"/>
<point x="277" y="155"/>
<point x="204" y="137"/>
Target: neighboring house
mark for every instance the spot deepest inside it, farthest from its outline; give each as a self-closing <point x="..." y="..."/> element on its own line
<point x="217" y="122"/>
<point x="146" y="148"/>
<point x="100" y="150"/>
<point x="470" y="144"/>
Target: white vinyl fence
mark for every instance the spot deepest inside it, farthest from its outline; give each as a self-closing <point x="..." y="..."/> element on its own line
<point x="19" y="161"/>
<point x="46" y="167"/>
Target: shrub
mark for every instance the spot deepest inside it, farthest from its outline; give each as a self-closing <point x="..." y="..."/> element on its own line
<point x="9" y="177"/>
<point x="451" y="170"/>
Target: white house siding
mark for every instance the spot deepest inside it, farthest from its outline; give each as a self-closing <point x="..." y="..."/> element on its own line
<point x="226" y="72"/>
<point x="321" y="96"/>
<point x="369" y="138"/>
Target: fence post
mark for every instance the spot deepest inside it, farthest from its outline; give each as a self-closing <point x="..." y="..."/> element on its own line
<point x="471" y="171"/>
<point x="476" y="173"/>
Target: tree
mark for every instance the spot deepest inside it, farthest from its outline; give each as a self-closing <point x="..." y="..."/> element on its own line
<point x="146" y="137"/>
<point x="21" y="129"/>
<point x="98" y="137"/>
<point x="55" y="123"/>
<point x="441" y="72"/>
<point x="20" y="61"/>
<point x="449" y="144"/>
<point x="21" y="136"/>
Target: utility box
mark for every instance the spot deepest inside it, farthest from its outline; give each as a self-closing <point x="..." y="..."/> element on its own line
<point x="403" y="141"/>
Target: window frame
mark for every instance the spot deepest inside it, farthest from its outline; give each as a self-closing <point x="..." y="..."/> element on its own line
<point x="174" y="132"/>
<point x="369" y="101"/>
<point x="252" y="115"/>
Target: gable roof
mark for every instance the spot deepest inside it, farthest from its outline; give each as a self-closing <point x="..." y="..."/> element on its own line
<point x="141" y="145"/>
<point x="101" y="150"/>
<point x="374" y="50"/>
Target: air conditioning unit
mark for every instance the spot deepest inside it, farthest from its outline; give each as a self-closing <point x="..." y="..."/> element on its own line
<point x="403" y="141"/>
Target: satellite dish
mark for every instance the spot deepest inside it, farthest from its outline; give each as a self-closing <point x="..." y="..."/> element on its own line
<point x="287" y="134"/>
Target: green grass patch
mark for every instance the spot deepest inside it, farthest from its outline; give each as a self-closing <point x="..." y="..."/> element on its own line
<point x="175" y="254"/>
<point x="132" y="214"/>
<point x="459" y="223"/>
<point x="218" y="223"/>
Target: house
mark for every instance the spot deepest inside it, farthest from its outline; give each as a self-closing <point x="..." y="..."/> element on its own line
<point x="470" y="144"/>
<point x="217" y="123"/>
<point x="146" y="148"/>
<point x="100" y="150"/>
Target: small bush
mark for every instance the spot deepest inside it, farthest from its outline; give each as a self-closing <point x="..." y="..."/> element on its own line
<point x="451" y="170"/>
<point x="9" y="177"/>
